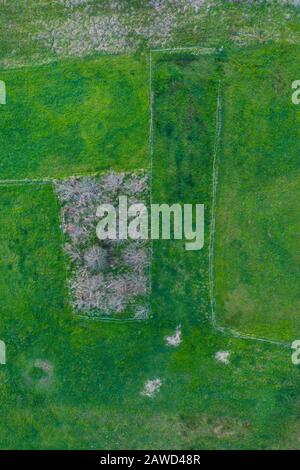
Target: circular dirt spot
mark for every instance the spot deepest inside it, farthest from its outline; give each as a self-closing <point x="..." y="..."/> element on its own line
<point x="39" y="373"/>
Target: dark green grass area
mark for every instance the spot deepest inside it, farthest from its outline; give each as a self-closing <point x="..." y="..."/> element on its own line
<point x="75" y="118"/>
<point x="257" y="250"/>
<point x="182" y="163"/>
<point x="93" y="399"/>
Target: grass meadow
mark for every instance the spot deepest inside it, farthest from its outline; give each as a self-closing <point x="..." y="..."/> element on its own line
<point x="92" y="398"/>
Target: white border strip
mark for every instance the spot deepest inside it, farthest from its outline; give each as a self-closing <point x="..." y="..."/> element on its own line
<point x="213" y="208"/>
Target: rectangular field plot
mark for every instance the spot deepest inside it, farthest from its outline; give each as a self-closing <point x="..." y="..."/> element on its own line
<point x="107" y="278"/>
<point x="185" y="89"/>
<point x="75" y="117"/>
<point x="257" y="245"/>
<point x="32" y="274"/>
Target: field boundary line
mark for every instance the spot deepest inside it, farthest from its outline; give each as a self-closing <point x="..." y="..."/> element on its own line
<point x="215" y="173"/>
<point x="50" y="179"/>
<point x="151" y="98"/>
<point x="24" y="182"/>
<point x="108" y="319"/>
<point x="205" y="50"/>
<point x="213" y="207"/>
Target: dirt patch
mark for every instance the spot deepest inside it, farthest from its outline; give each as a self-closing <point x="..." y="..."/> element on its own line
<point x="175" y="339"/>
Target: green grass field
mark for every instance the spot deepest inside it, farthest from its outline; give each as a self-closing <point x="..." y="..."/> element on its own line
<point x="93" y="399"/>
<point x="75" y="117"/>
<point x="257" y="250"/>
<point x="85" y="111"/>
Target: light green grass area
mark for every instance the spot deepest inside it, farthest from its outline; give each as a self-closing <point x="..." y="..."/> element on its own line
<point x="75" y="117"/>
<point x="93" y="399"/>
<point x="32" y="280"/>
<point x="257" y="250"/>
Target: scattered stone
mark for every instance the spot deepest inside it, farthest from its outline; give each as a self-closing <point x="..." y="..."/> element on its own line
<point x="151" y="388"/>
<point x="175" y="339"/>
<point x="222" y="356"/>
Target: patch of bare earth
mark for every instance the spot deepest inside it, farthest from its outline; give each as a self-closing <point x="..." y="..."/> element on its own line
<point x="175" y="339"/>
<point x="46" y="367"/>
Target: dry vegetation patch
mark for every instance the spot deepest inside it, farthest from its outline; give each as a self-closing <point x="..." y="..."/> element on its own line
<point x="114" y="27"/>
<point x="110" y="276"/>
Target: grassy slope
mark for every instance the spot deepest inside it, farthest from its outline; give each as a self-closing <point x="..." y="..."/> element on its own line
<point x="257" y="251"/>
<point x="75" y="118"/>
